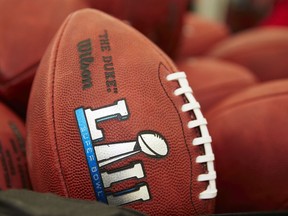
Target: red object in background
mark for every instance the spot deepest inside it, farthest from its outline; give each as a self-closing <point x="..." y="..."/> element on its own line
<point x="250" y="139"/>
<point x="263" y="50"/>
<point x="199" y="34"/>
<point x="26" y="28"/>
<point x="134" y="147"/>
<point x="13" y="165"/>
<point x="213" y="80"/>
<point x="279" y="14"/>
<point x="245" y="14"/>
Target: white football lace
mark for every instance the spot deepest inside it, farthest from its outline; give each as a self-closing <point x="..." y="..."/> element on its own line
<point x="205" y="138"/>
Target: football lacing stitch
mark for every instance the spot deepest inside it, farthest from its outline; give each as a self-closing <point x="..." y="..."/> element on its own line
<point x="205" y="138"/>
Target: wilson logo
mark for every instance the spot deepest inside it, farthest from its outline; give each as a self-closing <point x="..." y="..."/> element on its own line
<point x="85" y="55"/>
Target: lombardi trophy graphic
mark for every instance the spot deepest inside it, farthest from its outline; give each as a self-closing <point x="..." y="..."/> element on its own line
<point x="148" y="142"/>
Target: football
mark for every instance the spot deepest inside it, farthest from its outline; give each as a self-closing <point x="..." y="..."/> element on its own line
<point x="249" y="133"/>
<point x="110" y="118"/>
<point x="263" y="50"/>
<point x="199" y="34"/>
<point x="213" y="80"/>
<point x="13" y="164"/>
<point x="26" y="28"/>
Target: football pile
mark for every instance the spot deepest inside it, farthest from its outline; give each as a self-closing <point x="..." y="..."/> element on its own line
<point x="144" y="105"/>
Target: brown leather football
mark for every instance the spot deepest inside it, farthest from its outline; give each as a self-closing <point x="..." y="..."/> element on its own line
<point x="13" y="164"/>
<point x="213" y="80"/>
<point x="111" y="119"/>
<point x="262" y="50"/>
<point x="199" y="34"/>
<point x="250" y="139"/>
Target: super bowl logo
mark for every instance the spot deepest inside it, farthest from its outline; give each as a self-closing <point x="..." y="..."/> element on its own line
<point x="98" y="156"/>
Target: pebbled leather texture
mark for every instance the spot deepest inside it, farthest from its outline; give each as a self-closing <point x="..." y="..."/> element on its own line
<point x="56" y="156"/>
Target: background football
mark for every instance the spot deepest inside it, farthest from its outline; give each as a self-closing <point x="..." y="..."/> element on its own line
<point x="26" y="28"/>
<point x="250" y="143"/>
<point x="213" y="80"/>
<point x="13" y="165"/>
<point x="262" y="50"/>
<point x="100" y="84"/>
<point x="199" y="34"/>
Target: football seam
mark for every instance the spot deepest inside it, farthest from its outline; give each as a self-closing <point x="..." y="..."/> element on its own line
<point x="189" y="153"/>
<point x="164" y="57"/>
<point x="158" y="51"/>
<point x="53" y="105"/>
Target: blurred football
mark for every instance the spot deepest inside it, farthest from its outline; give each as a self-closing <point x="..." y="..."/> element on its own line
<point x="262" y="50"/>
<point x="13" y="165"/>
<point x="26" y="28"/>
<point x="101" y="85"/>
<point x="250" y="139"/>
<point x="199" y="34"/>
<point x="213" y="80"/>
